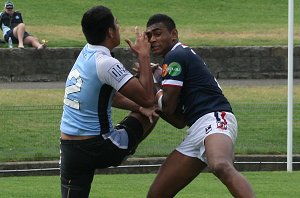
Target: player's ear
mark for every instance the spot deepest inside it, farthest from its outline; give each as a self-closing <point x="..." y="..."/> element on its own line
<point x="174" y="34"/>
<point x="110" y="32"/>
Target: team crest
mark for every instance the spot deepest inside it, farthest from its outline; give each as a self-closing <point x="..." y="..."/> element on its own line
<point x="222" y="125"/>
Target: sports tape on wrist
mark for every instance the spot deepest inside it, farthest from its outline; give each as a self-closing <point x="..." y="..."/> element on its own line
<point x="159" y="102"/>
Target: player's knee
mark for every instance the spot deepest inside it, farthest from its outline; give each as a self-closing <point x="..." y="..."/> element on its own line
<point x="221" y="167"/>
<point x="160" y="193"/>
<point x="73" y="188"/>
<point x="21" y="25"/>
<point x="157" y="194"/>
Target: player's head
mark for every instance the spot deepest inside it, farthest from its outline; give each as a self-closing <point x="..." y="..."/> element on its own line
<point x="8" y="6"/>
<point x="99" y="24"/>
<point x="162" y="33"/>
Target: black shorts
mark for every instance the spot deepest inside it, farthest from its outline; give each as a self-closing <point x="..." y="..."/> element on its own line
<point x="81" y="155"/>
<point x="13" y="38"/>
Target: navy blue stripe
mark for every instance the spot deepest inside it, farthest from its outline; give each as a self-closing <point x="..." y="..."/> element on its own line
<point x="104" y="96"/>
<point x="217" y="116"/>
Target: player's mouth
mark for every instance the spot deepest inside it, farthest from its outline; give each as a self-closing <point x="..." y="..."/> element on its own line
<point x="154" y="48"/>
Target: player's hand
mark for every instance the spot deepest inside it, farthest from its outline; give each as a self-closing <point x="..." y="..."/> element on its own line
<point x="141" y="45"/>
<point x="157" y="70"/>
<point x="154" y="67"/>
<point x="149" y="112"/>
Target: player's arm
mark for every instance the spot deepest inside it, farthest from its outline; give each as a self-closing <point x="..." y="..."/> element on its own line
<point x="177" y="119"/>
<point x="121" y="102"/>
<point x="168" y="102"/>
<point x="140" y="90"/>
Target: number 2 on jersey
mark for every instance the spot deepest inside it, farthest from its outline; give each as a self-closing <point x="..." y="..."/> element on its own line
<point x="73" y="89"/>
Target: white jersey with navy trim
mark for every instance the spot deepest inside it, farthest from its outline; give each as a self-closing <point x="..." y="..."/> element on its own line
<point x="92" y="81"/>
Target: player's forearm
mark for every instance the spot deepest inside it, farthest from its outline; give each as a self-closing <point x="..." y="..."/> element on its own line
<point x="146" y="77"/>
<point x="176" y="120"/>
<point x="121" y="102"/>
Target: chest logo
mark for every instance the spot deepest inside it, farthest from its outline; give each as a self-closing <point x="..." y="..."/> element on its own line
<point x="174" y="69"/>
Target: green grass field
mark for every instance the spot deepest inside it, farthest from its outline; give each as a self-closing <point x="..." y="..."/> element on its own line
<point x="200" y="22"/>
<point x="29" y="119"/>
<point x="265" y="184"/>
<point x="33" y="117"/>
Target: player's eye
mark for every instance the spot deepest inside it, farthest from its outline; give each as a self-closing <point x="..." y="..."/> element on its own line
<point x="149" y="35"/>
<point x="157" y="34"/>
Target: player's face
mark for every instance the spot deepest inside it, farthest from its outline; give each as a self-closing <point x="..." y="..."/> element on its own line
<point x="161" y="39"/>
<point x="117" y="32"/>
<point x="9" y="10"/>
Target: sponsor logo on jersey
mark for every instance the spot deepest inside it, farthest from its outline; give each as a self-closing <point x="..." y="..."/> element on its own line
<point x="208" y="129"/>
<point x="174" y="69"/>
<point x="118" y="72"/>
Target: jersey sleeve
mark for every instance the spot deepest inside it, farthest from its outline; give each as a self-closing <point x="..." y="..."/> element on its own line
<point x="112" y="72"/>
<point x="1" y="22"/>
<point x="172" y="70"/>
<point x="21" y="18"/>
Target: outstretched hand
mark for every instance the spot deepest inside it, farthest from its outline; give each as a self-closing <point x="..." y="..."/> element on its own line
<point x="141" y="45"/>
<point x="149" y="112"/>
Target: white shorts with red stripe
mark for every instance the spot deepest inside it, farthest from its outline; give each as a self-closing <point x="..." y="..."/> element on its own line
<point x="215" y="122"/>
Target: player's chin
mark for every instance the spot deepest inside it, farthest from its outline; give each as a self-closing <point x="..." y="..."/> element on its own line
<point x="156" y="51"/>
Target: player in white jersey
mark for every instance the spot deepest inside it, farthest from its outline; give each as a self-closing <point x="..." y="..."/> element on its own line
<point x="96" y="82"/>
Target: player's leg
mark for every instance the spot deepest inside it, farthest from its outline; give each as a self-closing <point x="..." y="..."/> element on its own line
<point x="147" y="126"/>
<point x="76" y="166"/>
<point x="175" y="173"/>
<point x="219" y="151"/>
<point x="138" y="127"/>
<point x="76" y="187"/>
<point x="33" y="41"/>
<point x="18" y="32"/>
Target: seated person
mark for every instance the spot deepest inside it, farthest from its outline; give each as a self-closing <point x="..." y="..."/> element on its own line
<point x="11" y="23"/>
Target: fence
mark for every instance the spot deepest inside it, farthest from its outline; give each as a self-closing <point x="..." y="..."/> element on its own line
<point x="32" y="132"/>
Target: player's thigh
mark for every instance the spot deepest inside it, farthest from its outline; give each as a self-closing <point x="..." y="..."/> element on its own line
<point x="29" y="39"/>
<point x="144" y="121"/>
<point x="218" y="147"/>
<point x="175" y="173"/>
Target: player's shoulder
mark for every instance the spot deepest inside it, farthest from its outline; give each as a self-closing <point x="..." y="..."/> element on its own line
<point x="180" y="51"/>
<point x="2" y="14"/>
<point x="106" y="59"/>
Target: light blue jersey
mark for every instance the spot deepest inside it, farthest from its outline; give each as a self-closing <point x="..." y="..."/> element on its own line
<point x="90" y="86"/>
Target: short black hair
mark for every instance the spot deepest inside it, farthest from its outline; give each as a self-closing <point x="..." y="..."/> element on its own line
<point x="95" y="24"/>
<point x="162" y="18"/>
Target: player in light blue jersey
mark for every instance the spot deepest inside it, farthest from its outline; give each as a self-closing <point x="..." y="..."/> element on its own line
<point x="192" y="97"/>
<point x="96" y="82"/>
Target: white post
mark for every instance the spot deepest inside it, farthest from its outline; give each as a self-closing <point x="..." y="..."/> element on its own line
<point x="290" y="86"/>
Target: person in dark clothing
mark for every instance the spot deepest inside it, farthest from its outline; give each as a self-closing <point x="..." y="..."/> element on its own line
<point x="12" y="26"/>
<point x="191" y="96"/>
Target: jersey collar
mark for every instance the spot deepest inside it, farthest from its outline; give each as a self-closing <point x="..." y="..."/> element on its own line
<point x="175" y="45"/>
<point x="100" y="48"/>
